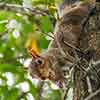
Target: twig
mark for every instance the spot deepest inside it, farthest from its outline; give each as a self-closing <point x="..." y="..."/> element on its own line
<point x="66" y="93"/>
<point x="89" y="84"/>
<point x="41" y="84"/>
<point x="70" y="45"/>
<point x="23" y="10"/>
<point x="93" y="94"/>
<point x="48" y="35"/>
<point x="22" y="95"/>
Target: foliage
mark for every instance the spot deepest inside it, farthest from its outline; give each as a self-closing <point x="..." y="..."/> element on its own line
<point x="16" y="32"/>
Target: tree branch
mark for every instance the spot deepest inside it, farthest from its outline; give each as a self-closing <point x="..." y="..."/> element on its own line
<point x="23" y="10"/>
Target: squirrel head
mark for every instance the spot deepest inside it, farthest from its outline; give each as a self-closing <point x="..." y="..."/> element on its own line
<point x="40" y="68"/>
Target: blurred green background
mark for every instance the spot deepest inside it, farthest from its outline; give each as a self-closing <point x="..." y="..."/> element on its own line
<point x="20" y="28"/>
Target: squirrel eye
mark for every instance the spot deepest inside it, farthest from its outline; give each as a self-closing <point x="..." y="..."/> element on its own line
<point x="39" y="61"/>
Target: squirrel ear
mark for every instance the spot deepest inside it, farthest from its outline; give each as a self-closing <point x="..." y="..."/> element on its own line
<point x="32" y="52"/>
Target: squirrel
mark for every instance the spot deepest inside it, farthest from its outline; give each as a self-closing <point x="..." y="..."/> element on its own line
<point x="59" y="57"/>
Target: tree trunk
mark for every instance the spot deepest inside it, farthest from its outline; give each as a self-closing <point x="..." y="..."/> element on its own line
<point x="83" y="44"/>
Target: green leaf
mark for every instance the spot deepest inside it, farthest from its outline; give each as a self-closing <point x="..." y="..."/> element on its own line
<point x="45" y="25"/>
<point x="11" y="94"/>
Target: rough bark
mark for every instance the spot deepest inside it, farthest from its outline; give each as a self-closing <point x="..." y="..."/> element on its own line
<point x="90" y="44"/>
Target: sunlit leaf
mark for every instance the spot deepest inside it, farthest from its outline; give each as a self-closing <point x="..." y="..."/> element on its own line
<point x="32" y="43"/>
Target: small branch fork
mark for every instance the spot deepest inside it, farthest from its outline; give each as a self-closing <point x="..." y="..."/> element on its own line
<point x="93" y="94"/>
